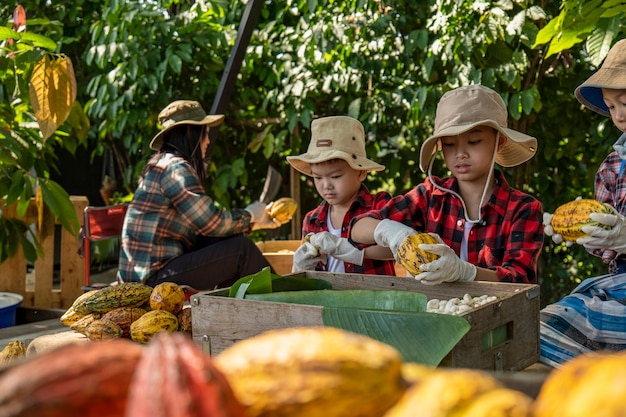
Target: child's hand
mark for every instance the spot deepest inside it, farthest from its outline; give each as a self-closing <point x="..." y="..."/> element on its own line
<point x="601" y="238"/>
<point x="305" y="258"/>
<point x="447" y="268"/>
<point x="337" y="247"/>
<point x="391" y="234"/>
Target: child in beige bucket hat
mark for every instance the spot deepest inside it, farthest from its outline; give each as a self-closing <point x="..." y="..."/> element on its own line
<point x="486" y="229"/>
<point x="337" y="161"/>
<point x="591" y="316"/>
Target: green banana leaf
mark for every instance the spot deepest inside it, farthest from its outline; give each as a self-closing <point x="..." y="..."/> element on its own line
<point x="419" y="337"/>
<point x="397" y="318"/>
<point x="387" y="300"/>
<point x="265" y="281"/>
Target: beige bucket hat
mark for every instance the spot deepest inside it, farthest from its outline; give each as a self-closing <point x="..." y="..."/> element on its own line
<point x="464" y="108"/>
<point x="335" y="137"/>
<point x="183" y="112"/>
<point x="612" y="74"/>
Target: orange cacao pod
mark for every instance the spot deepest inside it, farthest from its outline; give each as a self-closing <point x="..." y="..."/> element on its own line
<point x="187" y="382"/>
<point x="87" y="380"/>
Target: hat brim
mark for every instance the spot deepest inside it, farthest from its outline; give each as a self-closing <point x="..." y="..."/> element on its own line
<point x="303" y="162"/>
<point x="209" y="120"/>
<point x="589" y="93"/>
<point x="517" y="149"/>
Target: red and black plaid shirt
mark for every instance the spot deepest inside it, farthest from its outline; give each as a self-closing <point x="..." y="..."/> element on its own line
<point x="315" y="221"/>
<point x="509" y="240"/>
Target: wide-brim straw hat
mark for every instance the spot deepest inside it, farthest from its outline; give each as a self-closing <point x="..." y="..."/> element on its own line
<point x="612" y="74"/>
<point x="465" y="108"/>
<point x="183" y="112"/>
<point x="335" y="137"/>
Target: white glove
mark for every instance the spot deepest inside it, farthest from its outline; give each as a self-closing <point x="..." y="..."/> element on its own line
<point x="260" y="217"/>
<point x="448" y="268"/>
<point x="600" y="238"/>
<point x="391" y="234"/>
<point x="305" y="258"/>
<point x="337" y="247"/>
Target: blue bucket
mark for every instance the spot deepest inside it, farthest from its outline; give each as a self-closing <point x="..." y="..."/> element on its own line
<point x="9" y="302"/>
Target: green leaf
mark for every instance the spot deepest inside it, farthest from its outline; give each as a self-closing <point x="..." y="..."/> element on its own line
<point x="298" y="284"/>
<point x="420" y="337"/>
<point x="264" y="282"/>
<point x="360" y="299"/>
<point x="258" y="283"/>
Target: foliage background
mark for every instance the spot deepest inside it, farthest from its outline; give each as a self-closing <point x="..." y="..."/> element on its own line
<point x="384" y="62"/>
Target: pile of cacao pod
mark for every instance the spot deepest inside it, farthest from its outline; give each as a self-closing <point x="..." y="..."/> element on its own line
<point x="130" y="310"/>
<point x="304" y="372"/>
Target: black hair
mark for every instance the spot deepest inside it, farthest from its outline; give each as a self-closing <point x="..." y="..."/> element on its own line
<point x="183" y="141"/>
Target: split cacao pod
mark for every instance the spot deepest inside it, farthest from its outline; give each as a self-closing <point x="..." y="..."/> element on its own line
<point x="411" y="257"/>
<point x="151" y="323"/>
<point x="81" y="379"/>
<point x="283" y="209"/>
<point x="189" y="383"/>
<point x="313" y="371"/>
<point x="167" y="296"/>
<point x="569" y="218"/>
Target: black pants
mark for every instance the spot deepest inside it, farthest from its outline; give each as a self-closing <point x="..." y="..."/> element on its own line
<point x="214" y="263"/>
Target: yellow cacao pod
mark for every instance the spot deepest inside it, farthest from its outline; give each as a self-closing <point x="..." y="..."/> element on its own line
<point x="569" y="218"/>
<point x="411" y="257"/>
<point x="283" y="209"/>
<point x="459" y="392"/>
<point x="71" y="316"/>
<point x="588" y="385"/>
<point x="313" y="372"/>
<point x="13" y="351"/>
<point x="103" y="330"/>
<point x="151" y="323"/>
<point x="167" y="296"/>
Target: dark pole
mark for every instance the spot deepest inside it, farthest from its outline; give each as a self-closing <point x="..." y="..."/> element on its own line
<point x="247" y="25"/>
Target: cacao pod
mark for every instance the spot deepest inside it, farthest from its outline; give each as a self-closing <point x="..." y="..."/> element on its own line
<point x="588" y="385"/>
<point x="81" y="325"/>
<point x="124" y="317"/>
<point x="131" y="294"/>
<point x="453" y="392"/>
<point x="71" y="316"/>
<point x="13" y="351"/>
<point x="313" y="371"/>
<point x="283" y="209"/>
<point x="103" y="330"/>
<point x="411" y="257"/>
<point x="569" y="218"/>
<point x="167" y="296"/>
<point x="184" y="320"/>
<point x="188" y="384"/>
<point x="151" y="323"/>
<point x="81" y="379"/>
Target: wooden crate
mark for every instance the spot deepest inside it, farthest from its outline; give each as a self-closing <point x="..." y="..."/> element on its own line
<point x="504" y="334"/>
<point x="279" y="253"/>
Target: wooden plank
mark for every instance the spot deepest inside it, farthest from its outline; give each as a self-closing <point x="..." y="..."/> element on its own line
<point x="44" y="274"/>
<point x="72" y="271"/>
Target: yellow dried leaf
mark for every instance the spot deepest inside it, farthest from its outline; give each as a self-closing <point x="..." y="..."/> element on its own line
<point x="52" y="92"/>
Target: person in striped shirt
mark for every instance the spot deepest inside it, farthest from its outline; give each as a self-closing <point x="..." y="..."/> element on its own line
<point x="593" y="316"/>
<point x="172" y="230"/>
<point x="487" y="230"/>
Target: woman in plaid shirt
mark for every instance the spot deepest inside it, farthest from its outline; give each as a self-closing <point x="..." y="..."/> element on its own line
<point x="487" y="230"/>
<point x="172" y="230"/>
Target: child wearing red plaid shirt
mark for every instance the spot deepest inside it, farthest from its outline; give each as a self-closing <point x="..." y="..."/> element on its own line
<point x="337" y="161"/>
<point x="487" y="230"/>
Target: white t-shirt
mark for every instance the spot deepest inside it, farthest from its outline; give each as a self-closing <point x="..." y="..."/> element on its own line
<point x="334" y="264"/>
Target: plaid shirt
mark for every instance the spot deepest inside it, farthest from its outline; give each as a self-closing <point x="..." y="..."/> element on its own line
<point x="508" y="242"/>
<point x="610" y="188"/>
<point x="169" y="209"/>
<point x="316" y="221"/>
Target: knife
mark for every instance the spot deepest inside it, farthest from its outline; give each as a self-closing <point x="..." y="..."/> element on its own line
<point x="273" y="180"/>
